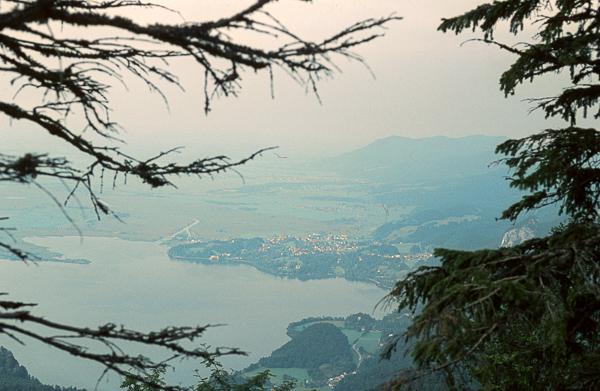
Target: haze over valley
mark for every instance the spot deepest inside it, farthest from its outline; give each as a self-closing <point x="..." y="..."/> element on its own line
<point x="260" y="250"/>
<point x="324" y="195"/>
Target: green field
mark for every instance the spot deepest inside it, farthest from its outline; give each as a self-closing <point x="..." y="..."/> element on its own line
<point x="370" y="342"/>
<point x="352" y="335"/>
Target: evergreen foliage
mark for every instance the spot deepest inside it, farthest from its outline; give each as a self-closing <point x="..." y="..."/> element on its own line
<point x="558" y="167"/>
<point x="527" y="317"/>
<point x="150" y="382"/>
<point x="359" y="322"/>
<point x="373" y="371"/>
<point x="221" y="380"/>
<point x="218" y="380"/>
<point x="294" y="328"/>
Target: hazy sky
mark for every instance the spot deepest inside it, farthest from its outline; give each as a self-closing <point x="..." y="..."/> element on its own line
<point x="426" y="84"/>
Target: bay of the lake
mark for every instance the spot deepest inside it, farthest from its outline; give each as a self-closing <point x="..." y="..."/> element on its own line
<point x="137" y="285"/>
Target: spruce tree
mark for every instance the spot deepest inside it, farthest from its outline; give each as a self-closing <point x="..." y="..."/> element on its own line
<point x="526" y="317"/>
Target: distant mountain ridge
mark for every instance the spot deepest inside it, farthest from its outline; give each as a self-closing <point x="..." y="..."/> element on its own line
<point x="457" y="191"/>
<point x="410" y="160"/>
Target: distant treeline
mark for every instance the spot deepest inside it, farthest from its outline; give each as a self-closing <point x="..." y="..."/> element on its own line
<point x="14" y="377"/>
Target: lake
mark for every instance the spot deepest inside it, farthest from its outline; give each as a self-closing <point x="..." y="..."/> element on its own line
<point x="137" y="285"/>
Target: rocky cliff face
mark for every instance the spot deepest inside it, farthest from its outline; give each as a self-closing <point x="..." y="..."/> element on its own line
<point x="527" y="230"/>
<point x="517" y="236"/>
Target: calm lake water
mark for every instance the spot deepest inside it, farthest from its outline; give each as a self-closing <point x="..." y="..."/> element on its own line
<point x="136" y="284"/>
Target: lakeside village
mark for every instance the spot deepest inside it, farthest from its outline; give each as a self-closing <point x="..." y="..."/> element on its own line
<point x="313" y="257"/>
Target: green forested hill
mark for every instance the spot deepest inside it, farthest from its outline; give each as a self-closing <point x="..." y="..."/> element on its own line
<point x="321" y="343"/>
<point x="14" y="377"/>
<point x="322" y="349"/>
<point x="316" y="356"/>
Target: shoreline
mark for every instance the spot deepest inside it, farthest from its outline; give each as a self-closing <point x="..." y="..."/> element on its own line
<point x="47" y="255"/>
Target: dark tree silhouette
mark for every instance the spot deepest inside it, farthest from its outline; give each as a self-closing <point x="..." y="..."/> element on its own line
<point x="122" y="48"/>
<point x="525" y="317"/>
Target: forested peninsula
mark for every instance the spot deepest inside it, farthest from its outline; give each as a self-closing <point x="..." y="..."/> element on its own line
<point x="343" y="354"/>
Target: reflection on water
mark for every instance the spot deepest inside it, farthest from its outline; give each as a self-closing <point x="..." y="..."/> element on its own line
<point x="137" y="285"/>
